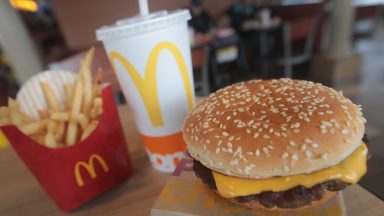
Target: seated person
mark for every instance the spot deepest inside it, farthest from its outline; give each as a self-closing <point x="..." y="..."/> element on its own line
<point x="240" y="12"/>
<point x="201" y="20"/>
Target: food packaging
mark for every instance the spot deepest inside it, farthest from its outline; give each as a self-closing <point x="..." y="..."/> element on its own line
<point x="74" y="175"/>
<point x="185" y="194"/>
<point x="151" y="57"/>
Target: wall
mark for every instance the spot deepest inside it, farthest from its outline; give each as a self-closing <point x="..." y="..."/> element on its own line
<point x="80" y="19"/>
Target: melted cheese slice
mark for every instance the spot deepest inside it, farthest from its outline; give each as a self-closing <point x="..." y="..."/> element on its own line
<point x="349" y="170"/>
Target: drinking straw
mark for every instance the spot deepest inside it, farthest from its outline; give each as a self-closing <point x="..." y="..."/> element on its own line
<point x="143" y="6"/>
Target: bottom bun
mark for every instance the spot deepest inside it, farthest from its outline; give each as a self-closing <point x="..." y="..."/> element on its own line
<point x="254" y="204"/>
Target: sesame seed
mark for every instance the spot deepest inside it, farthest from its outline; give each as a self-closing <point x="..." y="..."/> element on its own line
<point x="329" y="112"/>
<point x="286" y="168"/>
<point x="229" y="145"/>
<point x="265" y="150"/>
<point x="324" y="156"/>
<point x="265" y="136"/>
<point x="231" y="138"/>
<point x="315" y="145"/>
<point x="217" y="150"/>
<point x="345" y="131"/>
<point x="225" y="133"/>
<point x="255" y="135"/>
<point x="292" y="143"/>
<point x="295" y="157"/>
<point x="303" y="147"/>
<point x="248" y="131"/>
<point x="257" y="152"/>
<point x="307" y="140"/>
<point x="249" y="153"/>
<point x="284" y="155"/>
<point x="277" y="134"/>
<point x="308" y="154"/>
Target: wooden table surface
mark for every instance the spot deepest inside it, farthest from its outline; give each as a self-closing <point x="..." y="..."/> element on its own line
<point x="20" y="193"/>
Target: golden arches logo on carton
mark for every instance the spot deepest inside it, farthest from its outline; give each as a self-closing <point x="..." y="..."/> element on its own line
<point x="147" y="85"/>
<point x="89" y="167"/>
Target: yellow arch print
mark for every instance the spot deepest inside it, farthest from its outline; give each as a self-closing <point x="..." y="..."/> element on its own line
<point x="89" y="167"/>
<point x="147" y="86"/>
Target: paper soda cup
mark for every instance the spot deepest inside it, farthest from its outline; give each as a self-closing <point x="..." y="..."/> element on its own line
<point x="152" y="60"/>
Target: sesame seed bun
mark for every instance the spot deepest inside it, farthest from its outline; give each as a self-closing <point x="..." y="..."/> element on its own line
<point x="261" y="129"/>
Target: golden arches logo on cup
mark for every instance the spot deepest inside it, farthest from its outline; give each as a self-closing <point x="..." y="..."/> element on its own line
<point x="165" y="150"/>
<point x="147" y="86"/>
<point x="89" y="167"/>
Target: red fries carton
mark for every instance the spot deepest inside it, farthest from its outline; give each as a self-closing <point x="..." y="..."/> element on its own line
<point x="73" y="176"/>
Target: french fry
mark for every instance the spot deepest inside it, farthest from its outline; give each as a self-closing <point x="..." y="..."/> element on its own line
<point x="5" y="120"/>
<point x="69" y="87"/>
<point x="60" y="116"/>
<point x="39" y="138"/>
<point x="96" y="84"/>
<point x="25" y="117"/>
<point x="99" y="76"/>
<point x="50" y="97"/>
<point x="82" y="120"/>
<point x="76" y="106"/>
<point x="12" y="104"/>
<point x="91" y="127"/>
<point x="97" y="108"/>
<point x="33" y="127"/>
<point x="97" y="102"/>
<point x="89" y="56"/>
<point x="85" y="75"/>
<point x="57" y="127"/>
<point x="59" y="136"/>
<point x="14" y="115"/>
<point x="50" y="141"/>
<point x="87" y="84"/>
<point x="96" y="90"/>
<point x="95" y="112"/>
<point x="4" y="111"/>
<point x="43" y="113"/>
<point x="51" y="126"/>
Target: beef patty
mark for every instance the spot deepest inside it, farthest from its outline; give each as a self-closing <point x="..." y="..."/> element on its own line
<point x="293" y="198"/>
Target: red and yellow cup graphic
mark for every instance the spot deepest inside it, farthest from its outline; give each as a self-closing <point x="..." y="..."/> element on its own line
<point x="152" y="60"/>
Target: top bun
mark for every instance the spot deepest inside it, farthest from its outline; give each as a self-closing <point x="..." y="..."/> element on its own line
<point x="280" y="127"/>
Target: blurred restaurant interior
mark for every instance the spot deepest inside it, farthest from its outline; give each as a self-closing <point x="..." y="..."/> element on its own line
<point x="339" y="43"/>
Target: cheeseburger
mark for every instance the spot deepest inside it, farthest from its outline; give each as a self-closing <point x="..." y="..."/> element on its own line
<point x="276" y="144"/>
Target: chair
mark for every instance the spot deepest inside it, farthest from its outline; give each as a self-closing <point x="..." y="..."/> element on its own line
<point x="366" y="21"/>
<point x="227" y="60"/>
<point x="200" y="64"/>
<point x="296" y="30"/>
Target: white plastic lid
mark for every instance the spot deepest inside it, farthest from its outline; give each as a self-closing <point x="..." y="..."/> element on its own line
<point x="141" y="24"/>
